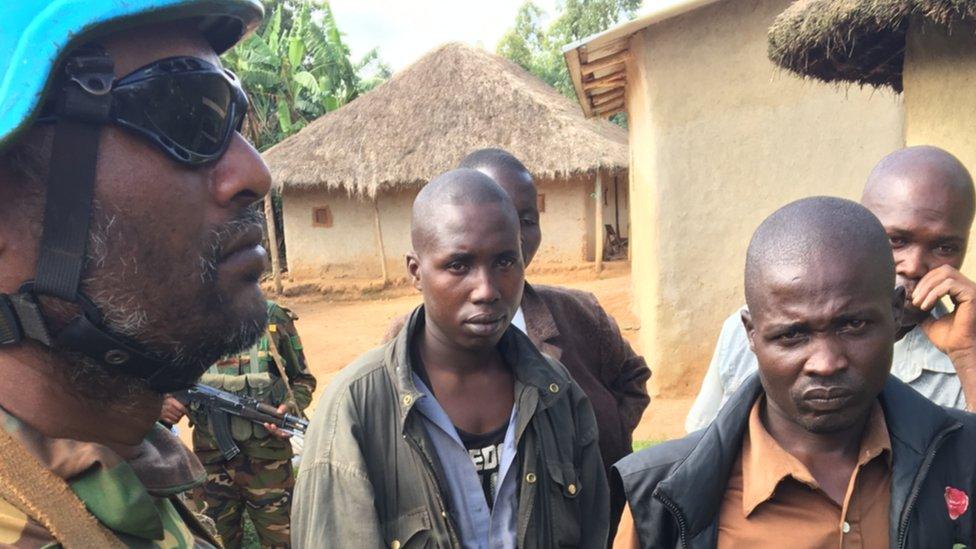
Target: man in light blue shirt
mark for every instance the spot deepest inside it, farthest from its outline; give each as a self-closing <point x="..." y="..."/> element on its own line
<point x="924" y="198"/>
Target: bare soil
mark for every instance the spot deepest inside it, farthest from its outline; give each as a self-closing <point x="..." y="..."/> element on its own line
<point x="335" y="330"/>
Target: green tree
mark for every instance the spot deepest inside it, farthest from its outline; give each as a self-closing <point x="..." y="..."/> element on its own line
<point x="538" y="48"/>
<point x="296" y="68"/>
<point x="526" y="38"/>
<point x="288" y="74"/>
<point x="372" y="71"/>
<point x="581" y="18"/>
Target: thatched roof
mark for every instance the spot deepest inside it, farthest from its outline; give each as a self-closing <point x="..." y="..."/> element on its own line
<point x="421" y="122"/>
<point x="860" y="41"/>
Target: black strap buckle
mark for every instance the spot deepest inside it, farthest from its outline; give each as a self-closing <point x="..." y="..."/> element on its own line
<point x="10" y="332"/>
<point x="92" y="70"/>
<point x="21" y="318"/>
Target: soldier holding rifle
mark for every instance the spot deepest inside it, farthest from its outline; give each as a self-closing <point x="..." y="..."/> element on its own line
<point x="254" y="472"/>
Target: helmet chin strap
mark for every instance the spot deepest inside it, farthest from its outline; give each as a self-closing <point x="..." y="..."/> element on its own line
<point x="83" y="106"/>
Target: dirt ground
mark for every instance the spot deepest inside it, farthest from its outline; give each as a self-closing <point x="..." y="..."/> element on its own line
<point x="336" y="332"/>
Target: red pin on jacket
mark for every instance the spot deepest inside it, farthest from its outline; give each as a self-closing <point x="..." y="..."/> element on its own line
<point x="957" y="501"/>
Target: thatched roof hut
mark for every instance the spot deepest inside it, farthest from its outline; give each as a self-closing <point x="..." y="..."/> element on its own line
<point x="348" y="180"/>
<point x="860" y="41"/>
<point x="427" y="117"/>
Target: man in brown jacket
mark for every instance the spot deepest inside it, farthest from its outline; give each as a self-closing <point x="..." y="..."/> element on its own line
<point x="459" y="432"/>
<point x="571" y="326"/>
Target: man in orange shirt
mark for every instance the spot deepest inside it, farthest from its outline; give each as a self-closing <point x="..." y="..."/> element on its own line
<point x="823" y="447"/>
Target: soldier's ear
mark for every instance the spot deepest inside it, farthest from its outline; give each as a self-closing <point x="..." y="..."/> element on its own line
<point x="413" y="269"/>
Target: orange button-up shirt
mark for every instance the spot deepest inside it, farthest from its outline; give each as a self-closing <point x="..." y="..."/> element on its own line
<point x="772" y="498"/>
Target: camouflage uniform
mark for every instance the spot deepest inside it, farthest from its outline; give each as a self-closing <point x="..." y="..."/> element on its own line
<point x="135" y="499"/>
<point x="260" y="478"/>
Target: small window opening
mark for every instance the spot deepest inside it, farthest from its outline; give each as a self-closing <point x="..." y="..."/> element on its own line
<point x="322" y="217"/>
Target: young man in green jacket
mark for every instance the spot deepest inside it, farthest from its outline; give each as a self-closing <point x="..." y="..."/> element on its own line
<point x="459" y="432"/>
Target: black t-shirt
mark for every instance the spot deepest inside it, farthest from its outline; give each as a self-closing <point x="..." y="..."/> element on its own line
<point x="486" y="452"/>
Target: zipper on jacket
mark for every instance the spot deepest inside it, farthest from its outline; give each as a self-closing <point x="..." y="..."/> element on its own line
<point x="678" y="516"/>
<point x="433" y="477"/>
<point x="923" y="471"/>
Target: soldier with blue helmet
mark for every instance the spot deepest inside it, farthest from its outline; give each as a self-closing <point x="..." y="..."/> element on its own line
<point x="129" y="258"/>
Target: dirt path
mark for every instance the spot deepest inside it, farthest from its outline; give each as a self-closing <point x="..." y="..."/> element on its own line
<point x="335" y="332"/>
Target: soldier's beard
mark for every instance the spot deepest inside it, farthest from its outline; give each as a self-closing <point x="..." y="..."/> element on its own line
<point x="171" y="306"/>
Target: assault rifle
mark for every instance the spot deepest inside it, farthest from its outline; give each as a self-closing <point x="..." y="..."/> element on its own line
<point x="220" y="405"/>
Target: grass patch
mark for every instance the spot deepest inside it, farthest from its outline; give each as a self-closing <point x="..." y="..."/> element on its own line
<point x="641" y="444"/>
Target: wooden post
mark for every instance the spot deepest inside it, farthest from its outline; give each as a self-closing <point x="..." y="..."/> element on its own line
<point x="269" y="218"/>
<point x="379" y="238"/>
<point x="616" y="206"/>
<point x="599" y="236"/>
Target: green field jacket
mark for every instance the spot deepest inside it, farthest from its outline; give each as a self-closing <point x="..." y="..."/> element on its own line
<point x="370" y="477"/>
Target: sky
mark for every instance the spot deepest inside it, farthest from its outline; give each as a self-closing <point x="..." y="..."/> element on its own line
<point x="404" y="30"/>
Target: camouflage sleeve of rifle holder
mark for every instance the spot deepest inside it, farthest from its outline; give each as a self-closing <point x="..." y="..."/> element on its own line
<point x="290" y="347"/>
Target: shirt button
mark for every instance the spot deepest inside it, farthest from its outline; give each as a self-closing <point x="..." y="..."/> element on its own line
<point x="395" y="544"/>
<point x="553" y="388"/>
<point x="530" y="478"/>
<point x="571" y="489"/>
<point x="846" y="528"/>
<point x="407" y="399"/>
<point x="444" y="514"/>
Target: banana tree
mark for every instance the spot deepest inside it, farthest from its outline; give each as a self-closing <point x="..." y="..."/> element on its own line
<point x="295" y="69"/>
<point x="294" y="72"/>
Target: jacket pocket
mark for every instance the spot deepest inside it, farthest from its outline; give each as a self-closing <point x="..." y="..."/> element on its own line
<point x="410" y="530"/>
<point x="564" y="492"/>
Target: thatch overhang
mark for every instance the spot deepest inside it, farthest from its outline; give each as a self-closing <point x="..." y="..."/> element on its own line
<point x="860" y="41"/>
<point x="426" y="118"/>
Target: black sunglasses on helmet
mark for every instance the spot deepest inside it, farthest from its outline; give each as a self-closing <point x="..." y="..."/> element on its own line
<point x="186" y="106"/>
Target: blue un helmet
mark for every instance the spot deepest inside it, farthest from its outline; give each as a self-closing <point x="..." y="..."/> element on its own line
<point x="52" y="71"/>
<point x="36" y="36"/>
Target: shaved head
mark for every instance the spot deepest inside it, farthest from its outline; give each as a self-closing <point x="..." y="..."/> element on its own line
<point x="513" y="176"/>
<point x="494" y="159"/>
<point x="926" y="169"/>
<point x="814" y="232"/>
<point x="466" y="260"/>
<point x="924" y="198"/>
<point x="460" y="187"/>
<point x="822" y="317"/>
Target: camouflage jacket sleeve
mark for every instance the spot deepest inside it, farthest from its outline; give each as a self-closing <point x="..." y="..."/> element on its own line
<point x="281" y="325"/>
<point x="19" y="530"/>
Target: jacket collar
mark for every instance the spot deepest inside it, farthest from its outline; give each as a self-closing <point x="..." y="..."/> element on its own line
<point x="706" y="469"/>
<point x="697" y="483"/>
<point x="528" y="365"/>
<point x="539" y="322"/>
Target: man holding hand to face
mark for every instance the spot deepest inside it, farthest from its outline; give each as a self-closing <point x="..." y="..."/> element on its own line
<point x="925" y="200"/>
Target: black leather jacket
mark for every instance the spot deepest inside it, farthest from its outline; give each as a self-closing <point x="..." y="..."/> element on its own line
<point x="675" y="489"/>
